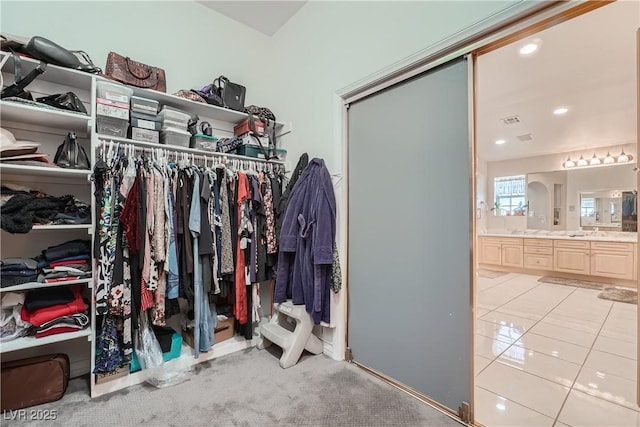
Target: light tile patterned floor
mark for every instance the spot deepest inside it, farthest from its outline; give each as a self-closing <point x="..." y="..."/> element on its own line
<point x="553" y="355"/>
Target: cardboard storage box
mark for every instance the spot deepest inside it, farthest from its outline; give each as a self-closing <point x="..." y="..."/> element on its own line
<point x="243" y="127"/>
<point x="223" y="331"/>
<point x="122" y="371"/>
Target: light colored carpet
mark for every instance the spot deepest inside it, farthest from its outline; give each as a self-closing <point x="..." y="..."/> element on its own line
<point x="573" y="282"/>
<point x="630" y="296"/>
<point x="250" y="389"/>
<point x="491" y="274"/>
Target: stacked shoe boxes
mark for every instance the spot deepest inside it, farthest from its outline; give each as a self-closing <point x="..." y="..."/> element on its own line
<point x="174" y="127"/>
<point x="145" y="121"/>
<point x="112" y="108"/>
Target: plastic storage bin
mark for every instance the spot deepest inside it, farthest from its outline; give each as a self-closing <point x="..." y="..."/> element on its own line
<point x="174" y="353"/>
<point x="114" y="91"/>
<point x="251" y="150"/>
<point x="168" y="114"/>
<point x="145" y="135"/>
<point x="174" y="136"/>
<point x="203" y="142"/>
<point x="144" y="105"/>
<point x="112" y="127"/>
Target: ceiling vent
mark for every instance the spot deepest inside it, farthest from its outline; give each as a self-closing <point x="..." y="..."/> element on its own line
<point x="511" y="120"/>
<point x="526" y="137"/>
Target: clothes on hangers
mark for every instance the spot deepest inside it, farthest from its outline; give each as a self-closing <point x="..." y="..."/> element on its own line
<point x="177" y="228"/>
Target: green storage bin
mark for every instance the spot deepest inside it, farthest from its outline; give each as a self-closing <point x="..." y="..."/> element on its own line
<point x="251" y="150"/>
<point x="174" y="353"/>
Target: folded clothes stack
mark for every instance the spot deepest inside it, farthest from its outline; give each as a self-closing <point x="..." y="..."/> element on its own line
<point x="68" y="261"/>
<point x="16" y="271"/>
<point x="55" y="310"/>
<point x="11" y="324"/>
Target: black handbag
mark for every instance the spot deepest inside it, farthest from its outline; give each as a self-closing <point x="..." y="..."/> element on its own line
<point x="17" y="89"/>
<point x="71" y="155"/>
<point x="52" y="53"/>
<point x="231" y="94"/>
<point x="65" y="101"/>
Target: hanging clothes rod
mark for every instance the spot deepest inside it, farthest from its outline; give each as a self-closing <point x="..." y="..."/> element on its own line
<point x="194" y="151"/>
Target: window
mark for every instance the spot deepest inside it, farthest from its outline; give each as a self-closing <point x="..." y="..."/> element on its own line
<point x="509" y="194"/>
<point x="587" y="206"/>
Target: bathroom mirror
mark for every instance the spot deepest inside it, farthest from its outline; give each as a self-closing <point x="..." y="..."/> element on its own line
<point x="601" y="209"/>
<point x="585" y="197"/>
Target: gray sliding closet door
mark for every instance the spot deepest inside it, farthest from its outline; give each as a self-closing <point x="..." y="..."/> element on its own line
<point x="409" y="233"/>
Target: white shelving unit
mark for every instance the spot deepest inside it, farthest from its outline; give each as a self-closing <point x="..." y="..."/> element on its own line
<point x="29" y="342"/>
<point x="41" y="121"/>
<point x="46" y="126"/>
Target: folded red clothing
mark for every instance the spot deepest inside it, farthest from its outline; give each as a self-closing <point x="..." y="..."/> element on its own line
<point x="70" y="262"/>
<point x="54" y="331"/>
<point x="46" y="314"/>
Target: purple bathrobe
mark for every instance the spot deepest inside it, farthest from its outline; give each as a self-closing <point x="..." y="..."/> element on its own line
<point x="306" y="243"/>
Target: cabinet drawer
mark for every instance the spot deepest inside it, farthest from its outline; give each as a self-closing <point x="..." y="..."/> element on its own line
<point x="490" y="240"/>
<point x="538" y="242"/>
<point x="538" y="262"/>
<point x="612" y="246"/>
<point x="571" y="244"/>
<point x="538" y="250"/>
<point x="514" y="241"/>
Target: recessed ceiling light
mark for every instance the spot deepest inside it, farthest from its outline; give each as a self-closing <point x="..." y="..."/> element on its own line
<point x="500" y="141"/>
<point x="560" y="111"/>
<point x="528" y="48"/>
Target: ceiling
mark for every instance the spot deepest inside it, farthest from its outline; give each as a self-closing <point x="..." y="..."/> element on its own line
<point x="264" y="16"/>
<point x="587" y="64"/>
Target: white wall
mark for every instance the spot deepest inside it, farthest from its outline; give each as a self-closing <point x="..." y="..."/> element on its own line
<point x="605" y="177"/>
<point x="328" y="46"/>
<point x="192" y="43"/>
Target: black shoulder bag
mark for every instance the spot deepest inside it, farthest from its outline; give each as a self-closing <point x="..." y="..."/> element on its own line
<point x="17" y="89"/>
<point x="71" y="155"/>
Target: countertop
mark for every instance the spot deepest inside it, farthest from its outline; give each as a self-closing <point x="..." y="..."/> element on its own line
<point x="604" y="236"/>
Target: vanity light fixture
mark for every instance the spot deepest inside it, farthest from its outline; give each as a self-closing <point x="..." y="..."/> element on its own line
<point x="500" y="141"/>
<point x="608" y="159"/>
<point x="598" y="161"/>
<point x="623" y="158"/>
<point x="569" y="163"/>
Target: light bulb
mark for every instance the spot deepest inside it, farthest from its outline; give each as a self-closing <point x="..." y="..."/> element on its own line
<point x="608" y="159"/>
<point x="569" y="163"/>
<point x="595" y="160"/>
<point x="623" y="158"/>
<point x="582" y="162"/>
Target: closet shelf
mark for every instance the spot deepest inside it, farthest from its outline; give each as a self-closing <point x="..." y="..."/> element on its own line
<point x="29" y="342"/>
<point x="54" y="73"/>
<point x="17" y="112"/>
<point x="206" y="111"/>
<point x="43" y="171"/>
<point x="63" y="227"/>
<point x="184" y="149"/>
<point x="38" y="285"/>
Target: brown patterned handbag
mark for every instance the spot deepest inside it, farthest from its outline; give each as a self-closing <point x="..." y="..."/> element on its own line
<point x="128" y="71"/>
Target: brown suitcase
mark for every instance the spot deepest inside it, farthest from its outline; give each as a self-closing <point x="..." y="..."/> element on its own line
<point x="33" y="381"/>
